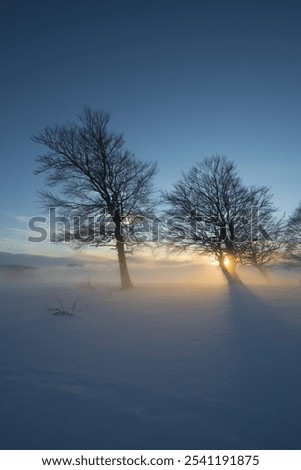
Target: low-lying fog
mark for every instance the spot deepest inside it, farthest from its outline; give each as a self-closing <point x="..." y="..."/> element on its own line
<point x="182" y="361"/>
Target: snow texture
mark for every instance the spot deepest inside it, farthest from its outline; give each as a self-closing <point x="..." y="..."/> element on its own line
<point x="166" y="366"/>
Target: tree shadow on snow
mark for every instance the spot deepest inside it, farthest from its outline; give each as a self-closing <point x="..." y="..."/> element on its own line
<point x="264" y="370"/>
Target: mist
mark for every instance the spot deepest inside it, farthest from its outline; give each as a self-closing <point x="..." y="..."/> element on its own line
<point x="183" y="360"/>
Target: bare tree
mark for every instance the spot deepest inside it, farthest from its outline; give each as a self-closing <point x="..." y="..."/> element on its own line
<point x="102" y="187"/>
<point x="261" y="229"/>
<point x="211" y="211"/>
<point x="293" y="237"/>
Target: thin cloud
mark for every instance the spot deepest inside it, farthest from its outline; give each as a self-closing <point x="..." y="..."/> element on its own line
<point x="19" y="218"/>
<point x="18" y="231"/>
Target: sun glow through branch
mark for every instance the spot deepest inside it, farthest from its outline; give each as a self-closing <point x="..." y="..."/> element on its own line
<point x="228" y="263"/>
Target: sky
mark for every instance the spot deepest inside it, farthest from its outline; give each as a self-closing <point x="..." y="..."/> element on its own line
<point x="182" y="79"/>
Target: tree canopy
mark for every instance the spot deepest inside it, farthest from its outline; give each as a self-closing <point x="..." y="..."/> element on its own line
<point x="293" y="236"/>
<point x="213" y="212"/>
<point x="102" y="186"/>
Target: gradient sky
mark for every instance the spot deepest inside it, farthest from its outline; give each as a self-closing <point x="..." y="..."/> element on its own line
<point x="182" y="79"/>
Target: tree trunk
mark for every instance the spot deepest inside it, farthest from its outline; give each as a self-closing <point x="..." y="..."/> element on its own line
<point x="231" y="275"/>
<point x="125" y="279"/>
<point x="229" y="269"/>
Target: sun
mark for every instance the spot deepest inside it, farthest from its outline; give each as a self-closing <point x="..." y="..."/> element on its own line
<point x="227" y="262"/>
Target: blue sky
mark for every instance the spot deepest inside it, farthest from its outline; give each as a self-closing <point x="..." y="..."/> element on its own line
<point x="182" y="79"/>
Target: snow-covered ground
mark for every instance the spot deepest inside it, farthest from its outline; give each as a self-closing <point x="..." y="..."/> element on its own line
<point x="170" y="365"/>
